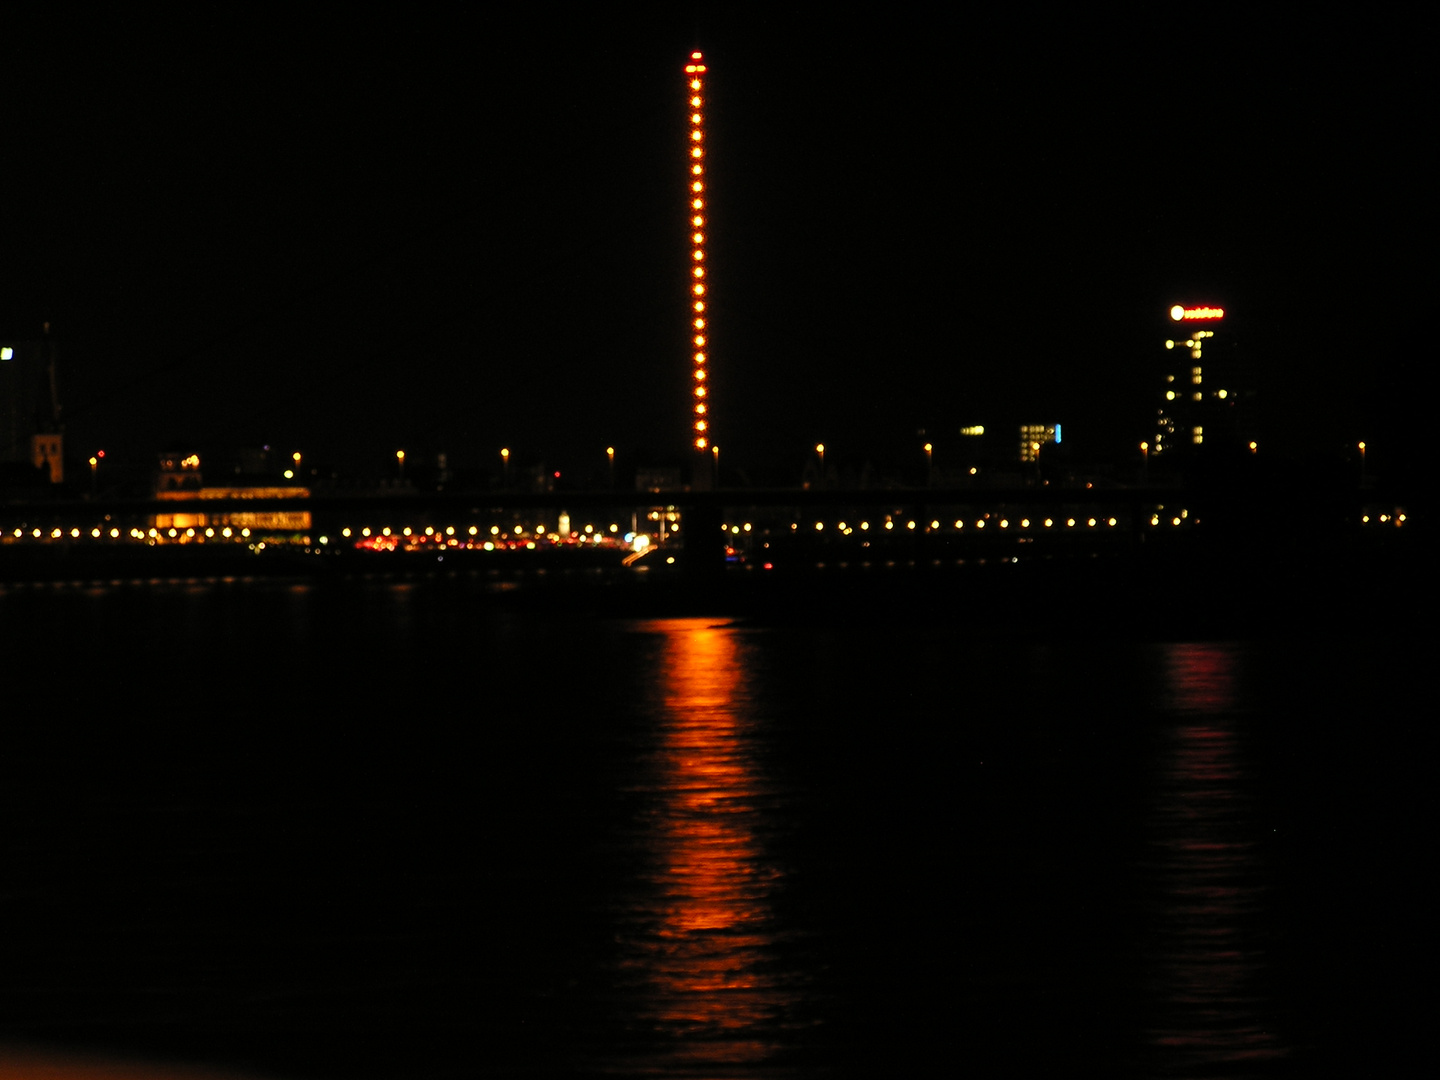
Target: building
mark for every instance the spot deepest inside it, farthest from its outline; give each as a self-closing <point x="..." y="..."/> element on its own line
<point x="1200" y="401"/>
<point x="179" y="480"/>
<point x="30" y="428"/>
<point x="1034" y="436"/>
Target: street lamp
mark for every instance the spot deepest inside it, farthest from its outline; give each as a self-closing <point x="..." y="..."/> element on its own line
<point x="820" y="449"/>
<point x="1144" y="461"/>
<point x="1362" y="464"/>
<point x="505" y="464"/>
<point x="610" y="454"/>
<point x="400" y="462"/>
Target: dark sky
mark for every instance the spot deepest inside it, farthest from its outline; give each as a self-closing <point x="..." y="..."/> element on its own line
<point x="453" y="234"/>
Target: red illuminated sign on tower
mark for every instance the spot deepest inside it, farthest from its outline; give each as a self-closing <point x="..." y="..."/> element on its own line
<point x="1180" y="313"/>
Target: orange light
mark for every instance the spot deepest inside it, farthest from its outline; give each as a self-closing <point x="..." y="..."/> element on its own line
<point x="700" y="374"/>
<point x="699" y="305"/>
<point x="699" y="290"/>
<point x="699" y="358"/>
<point x="697" y="186"/>
<point x="700" y="444"/>
<point x="699" y="391"/>
<point x="699" y="339"/>
<point x="698" y="255"/>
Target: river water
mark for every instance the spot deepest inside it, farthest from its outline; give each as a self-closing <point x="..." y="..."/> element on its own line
<point x="401" y="828"/>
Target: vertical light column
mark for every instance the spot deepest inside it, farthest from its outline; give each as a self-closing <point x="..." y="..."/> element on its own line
<point x="695" y="149"/>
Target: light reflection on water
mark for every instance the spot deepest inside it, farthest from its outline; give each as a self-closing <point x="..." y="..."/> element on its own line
<point x="1213" y="1016"/>
<point x="700" y="947"/>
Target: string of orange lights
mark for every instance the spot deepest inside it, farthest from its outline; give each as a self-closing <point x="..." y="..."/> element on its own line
<point x="695" y="72"/>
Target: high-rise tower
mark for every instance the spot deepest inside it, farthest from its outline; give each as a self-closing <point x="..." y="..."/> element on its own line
<point x="1187" y="402"/>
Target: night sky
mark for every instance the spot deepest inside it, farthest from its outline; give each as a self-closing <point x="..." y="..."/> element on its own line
<point x="348" y="236"/>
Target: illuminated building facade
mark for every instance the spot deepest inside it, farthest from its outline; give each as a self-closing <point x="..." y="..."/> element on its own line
<point x="701" y="415"/>
<point x="179" y="480"/>
<point x="1034" y="436"/>
<point x="1193" y="403"/>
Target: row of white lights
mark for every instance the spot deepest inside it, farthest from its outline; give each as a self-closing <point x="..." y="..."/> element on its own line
<point x="1003" y="523"/>
<point x="588" y="533"/>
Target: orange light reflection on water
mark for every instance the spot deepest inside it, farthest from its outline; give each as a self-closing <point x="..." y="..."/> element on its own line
<point x="716" y="993"/>
<point x="26" y="1063"/>
<point x="1211" y="967"/>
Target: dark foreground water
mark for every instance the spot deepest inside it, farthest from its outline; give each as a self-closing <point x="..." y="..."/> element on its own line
<point x="399" y="829"/>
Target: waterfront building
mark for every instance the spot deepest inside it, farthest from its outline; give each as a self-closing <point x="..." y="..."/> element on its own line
<point x="1034" y="436"/>
<point x="180" y="481"/>
<point x="1201" y="402"/>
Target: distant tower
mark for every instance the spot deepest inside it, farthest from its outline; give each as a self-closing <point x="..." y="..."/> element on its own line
<point x="1187" y="402"/>
<point x="699" y="292"/>
<point x="30" y="419"/>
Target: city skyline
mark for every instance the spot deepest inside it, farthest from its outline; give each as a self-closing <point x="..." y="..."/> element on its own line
<point x="413" y="238"/>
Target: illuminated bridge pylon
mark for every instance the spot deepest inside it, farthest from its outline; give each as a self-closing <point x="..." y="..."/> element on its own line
<point x="701" y="401"/>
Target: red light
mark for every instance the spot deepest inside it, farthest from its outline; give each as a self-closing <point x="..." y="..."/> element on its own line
<point x="1180" y="313"/>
